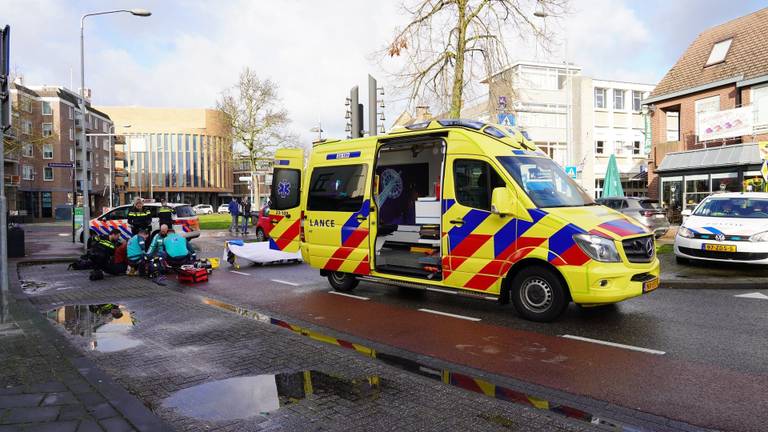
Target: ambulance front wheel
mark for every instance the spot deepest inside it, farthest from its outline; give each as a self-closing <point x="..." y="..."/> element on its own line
<point x="343" y="282"/>
<point x="538" y="294"/>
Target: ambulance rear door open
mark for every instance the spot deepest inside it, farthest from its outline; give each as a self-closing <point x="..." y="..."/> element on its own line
<point x="285" y="209"/>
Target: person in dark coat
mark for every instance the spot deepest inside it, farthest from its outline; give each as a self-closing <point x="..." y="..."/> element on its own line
<point x="139" y="217"/>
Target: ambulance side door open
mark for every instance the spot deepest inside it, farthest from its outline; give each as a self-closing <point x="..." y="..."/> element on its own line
<point x="285" y="210"/>
<point x="477" y="241"/>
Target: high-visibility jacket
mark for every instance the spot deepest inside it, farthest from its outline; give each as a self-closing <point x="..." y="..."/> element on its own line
<point x="137" y="247"/>
<point x="165" y="215"/>
<point x="176" y="246"/>
<point x="139" y="218"/>
<point x="103" y="248"/>
<point x="157" y="244"/>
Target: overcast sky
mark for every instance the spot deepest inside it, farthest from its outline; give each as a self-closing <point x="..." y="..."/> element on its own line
<point x="188" y="51"/>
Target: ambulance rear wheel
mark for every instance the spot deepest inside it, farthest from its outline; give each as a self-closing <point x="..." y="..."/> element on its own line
<point x="538" y="294"/>
<point x="342" y="282"/>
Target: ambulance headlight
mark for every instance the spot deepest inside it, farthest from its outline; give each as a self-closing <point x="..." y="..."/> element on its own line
<point x="598" y="248"/>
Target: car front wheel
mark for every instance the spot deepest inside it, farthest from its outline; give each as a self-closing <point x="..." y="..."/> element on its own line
<point x="538" y="294"/>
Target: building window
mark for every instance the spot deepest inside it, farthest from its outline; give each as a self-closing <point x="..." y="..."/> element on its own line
<point x="719" y="51"/>
<point x="106" y="161"/>
<point x="600" y="98"/>
<point x="759" y="98"/>
<point x="47" y="151"/>
<point x="71" y="113"/>
<point x="710" y="104"/>
<point x="621" y="147"/>
<point x="26" y="104"/>
<point x="48" y="174"/>
<point x="47" y="110"/>
<point x="618" y="99"/>
<point x="26" y="127"/>
<point x="27" y="150"/>
<point x="599" y="147"/>
<point x="47" y="129"/>
<point x="27" y="172"/>
<point x="673" y="125"/>
<point x="637" y="97"/>
<point x="71" y="134"/>
<point x="636" y="147"/>
<point x="72" y="155"/>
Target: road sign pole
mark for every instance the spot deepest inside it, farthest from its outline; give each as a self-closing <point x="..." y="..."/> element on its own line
<point x="5" y="109"/>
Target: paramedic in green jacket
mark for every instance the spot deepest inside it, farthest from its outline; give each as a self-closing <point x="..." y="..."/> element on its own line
<point x="172" y="247"/>
<point x="139" y="258"/>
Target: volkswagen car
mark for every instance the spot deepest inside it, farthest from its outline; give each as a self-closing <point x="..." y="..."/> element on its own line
<point x="730" y="227"/>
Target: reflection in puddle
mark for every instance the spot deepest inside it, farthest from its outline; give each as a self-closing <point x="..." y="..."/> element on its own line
<point x="243" y="397"/>
<point x="105" y="326"/>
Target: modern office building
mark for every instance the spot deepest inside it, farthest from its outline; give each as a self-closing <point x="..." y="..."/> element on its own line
<point x="46" y="126"/>
<point x="180" y="154"/>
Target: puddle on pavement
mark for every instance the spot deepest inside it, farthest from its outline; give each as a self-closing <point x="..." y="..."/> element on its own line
<point x="446" y="376"/>
<point x="248" y="396"/>
<point x="105" y="327"/>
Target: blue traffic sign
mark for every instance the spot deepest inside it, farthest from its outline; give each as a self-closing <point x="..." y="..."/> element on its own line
<point x="571" y="171"/>
<point x="507" y="119"/>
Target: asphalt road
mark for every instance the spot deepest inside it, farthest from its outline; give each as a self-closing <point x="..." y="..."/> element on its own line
<point x="706" y="364"/>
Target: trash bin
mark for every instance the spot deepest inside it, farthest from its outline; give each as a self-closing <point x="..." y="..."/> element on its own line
<point x="15" y="242"/>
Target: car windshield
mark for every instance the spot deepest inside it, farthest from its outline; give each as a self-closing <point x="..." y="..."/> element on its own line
<point x="738" y="207"/>
<point x="545" y="182"/>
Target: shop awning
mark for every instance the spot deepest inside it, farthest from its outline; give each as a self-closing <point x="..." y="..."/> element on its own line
<point x="729" y="155"/>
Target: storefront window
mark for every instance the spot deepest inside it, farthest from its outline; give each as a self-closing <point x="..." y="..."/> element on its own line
<point x="696" y="189"/>
<point x="672" y="197"/>
<point x="726" y="182"/>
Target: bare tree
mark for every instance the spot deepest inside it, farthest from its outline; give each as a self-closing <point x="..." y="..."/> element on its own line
<point x="448" y="43"/>
<point x="22" y="131"/>
<point x="255" y="117"/>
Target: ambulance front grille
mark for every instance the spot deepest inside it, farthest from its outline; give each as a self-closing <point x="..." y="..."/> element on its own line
<point x="640" y="249"/>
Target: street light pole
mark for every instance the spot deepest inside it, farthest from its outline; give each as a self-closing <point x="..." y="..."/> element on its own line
<point x="84" y="158"/>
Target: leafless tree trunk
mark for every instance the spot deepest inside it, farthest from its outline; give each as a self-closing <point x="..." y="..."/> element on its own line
<point x="449" y="43"/>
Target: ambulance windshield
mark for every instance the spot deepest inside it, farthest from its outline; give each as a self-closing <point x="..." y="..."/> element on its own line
<point x="545" y="182"/>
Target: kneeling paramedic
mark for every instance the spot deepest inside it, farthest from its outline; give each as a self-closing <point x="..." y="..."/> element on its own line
<point x="102" y="254"/>
<point x="174" y="249"/>
<point x="138" y="257"/>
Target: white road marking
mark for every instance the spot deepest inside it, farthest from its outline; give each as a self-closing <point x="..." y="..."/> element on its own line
<point x="754" y="295"/>
<point x="348" y="295"/>
<point x="614" y="344"/>
<point x="64" y="234"/>
<point x="285" y="282"/>
<point x="240" y="273"/>
<point x="450" y="315"/>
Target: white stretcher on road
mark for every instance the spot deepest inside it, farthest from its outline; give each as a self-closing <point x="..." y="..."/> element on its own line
<point x="237" y="254"/>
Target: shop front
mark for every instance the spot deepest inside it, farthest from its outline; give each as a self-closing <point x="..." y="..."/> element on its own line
<point x="688" y="177"/>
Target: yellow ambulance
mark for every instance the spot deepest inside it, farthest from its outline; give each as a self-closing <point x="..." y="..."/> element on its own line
<point x="460" y="207"/>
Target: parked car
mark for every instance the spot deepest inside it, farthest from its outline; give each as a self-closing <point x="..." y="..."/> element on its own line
<point x="185" y="221"/>
<point x="262" y="222"/>
<point x="224" y="208"/>
<point x="731" y="227"/>
<point x="642" y="209"/>
<point x="203" y="209"/>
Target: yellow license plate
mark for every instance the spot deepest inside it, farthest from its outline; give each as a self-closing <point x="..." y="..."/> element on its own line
<point x="719" y="247"/>
<point x="650" y="285"/>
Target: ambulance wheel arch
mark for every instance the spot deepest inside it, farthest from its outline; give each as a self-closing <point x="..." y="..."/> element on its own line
<point x="537" y="289"/>
<point x="342" y="282"/>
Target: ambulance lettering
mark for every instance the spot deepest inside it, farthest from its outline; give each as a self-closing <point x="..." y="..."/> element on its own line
<point x="323" y="223"/>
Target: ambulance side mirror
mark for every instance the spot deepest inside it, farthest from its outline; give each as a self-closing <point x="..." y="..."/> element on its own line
<point x="502" y="201"/>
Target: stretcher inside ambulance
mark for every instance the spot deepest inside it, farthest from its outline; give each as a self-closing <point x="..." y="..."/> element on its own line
<point x="462" y="207"/>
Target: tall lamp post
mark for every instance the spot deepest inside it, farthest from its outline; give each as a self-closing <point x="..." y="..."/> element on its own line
<point x="84" y="158"/>
<point x="111" y="136"/>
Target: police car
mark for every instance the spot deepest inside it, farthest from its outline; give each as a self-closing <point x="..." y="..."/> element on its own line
<point x="731" y="227"/>
<point x="185" y="221"/>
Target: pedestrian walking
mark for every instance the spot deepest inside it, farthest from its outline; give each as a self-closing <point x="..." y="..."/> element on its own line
<point x="234" y="211"/>
<point x="246" y="214"/>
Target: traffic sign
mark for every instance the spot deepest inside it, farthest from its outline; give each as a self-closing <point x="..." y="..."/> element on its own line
<point x="244" y="178"/>
<point x="60" y="164"/>
<point x="507" y="119"/>
<point x="571" y="171"/>
<point x="79" y="215"/>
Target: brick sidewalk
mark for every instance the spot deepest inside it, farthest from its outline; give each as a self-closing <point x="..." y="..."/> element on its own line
<point x="45" y="385"/>
<point x="181" y="343"/>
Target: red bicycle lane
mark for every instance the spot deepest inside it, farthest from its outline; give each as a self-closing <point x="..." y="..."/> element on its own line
<point x="694" y="393"/>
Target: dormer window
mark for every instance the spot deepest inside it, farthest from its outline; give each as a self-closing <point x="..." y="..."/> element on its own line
<point x="719" y="51"/>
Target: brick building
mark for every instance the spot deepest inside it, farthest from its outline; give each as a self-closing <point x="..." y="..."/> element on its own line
<point x="723" y="73"/>
<point x="46" y="130"/>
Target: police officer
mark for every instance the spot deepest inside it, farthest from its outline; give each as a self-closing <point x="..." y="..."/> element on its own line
<point x="102" y="254"/>
<point x="139" y="217"/>
<point x="165" y="214"/>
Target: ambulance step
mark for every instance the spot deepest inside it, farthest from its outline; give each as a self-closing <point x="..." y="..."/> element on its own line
<point x="444" y="290"/>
